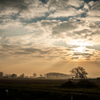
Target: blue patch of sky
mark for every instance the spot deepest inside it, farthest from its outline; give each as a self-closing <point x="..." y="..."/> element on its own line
<point x="87" y="1"/>
<point x="60" y="18"/>
<point x="83" y="15"/>
<point x="15" y="16"/>
<point x="44" y="1"/>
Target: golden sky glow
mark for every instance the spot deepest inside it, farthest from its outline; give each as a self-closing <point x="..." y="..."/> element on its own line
<point x="40" y="36"/>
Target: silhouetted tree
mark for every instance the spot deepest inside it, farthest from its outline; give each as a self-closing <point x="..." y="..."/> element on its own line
<point x="40" y="75"/>
<point x="14" y="75"/>
<point x="7" y="76"/>
<point x="1" y="74"/>
<point x="34" y="75"/>
<point x="79" y="72"/>
<point x="22" y="75"/>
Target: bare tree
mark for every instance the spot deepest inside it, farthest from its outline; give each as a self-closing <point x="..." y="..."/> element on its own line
<point x="34" y="75"/>
<point x="79" y="72"/>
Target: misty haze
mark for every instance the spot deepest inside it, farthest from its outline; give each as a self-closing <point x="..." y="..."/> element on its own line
<point x="49" y="49"/>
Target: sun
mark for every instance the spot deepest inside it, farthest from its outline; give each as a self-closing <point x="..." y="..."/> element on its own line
<point x="80" y="45"/>
<point x="80" y="49"/>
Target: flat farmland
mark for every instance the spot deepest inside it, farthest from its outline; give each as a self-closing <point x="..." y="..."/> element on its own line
<point x="45" y="89"/>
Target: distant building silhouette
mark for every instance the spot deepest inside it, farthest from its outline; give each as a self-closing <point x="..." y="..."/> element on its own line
<point x="57" y="76"/>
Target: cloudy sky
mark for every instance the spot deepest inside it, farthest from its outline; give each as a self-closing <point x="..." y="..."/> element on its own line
<point x="40" y="36"/>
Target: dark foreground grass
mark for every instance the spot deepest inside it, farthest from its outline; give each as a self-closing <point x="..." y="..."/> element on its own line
<point x="45" y="90"/>
<point x="25" y="94"/>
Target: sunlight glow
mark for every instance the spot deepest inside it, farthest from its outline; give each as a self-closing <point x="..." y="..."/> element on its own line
<point x="80" y="49"/>
<point x="80" y="42"/>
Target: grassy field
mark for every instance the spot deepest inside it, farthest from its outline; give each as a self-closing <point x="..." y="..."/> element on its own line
<point x="42" y="89"/>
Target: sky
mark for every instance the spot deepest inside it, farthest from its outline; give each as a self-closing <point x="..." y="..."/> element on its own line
<point x="41" y="36"/>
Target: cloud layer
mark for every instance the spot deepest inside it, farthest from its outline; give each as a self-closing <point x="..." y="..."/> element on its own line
<point x="61" y="29"/>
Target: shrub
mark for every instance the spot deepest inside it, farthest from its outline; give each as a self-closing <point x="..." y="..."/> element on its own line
<point x="80" y="84"/>
<point x="86" y="84"/>
<point x="69" y="84"/>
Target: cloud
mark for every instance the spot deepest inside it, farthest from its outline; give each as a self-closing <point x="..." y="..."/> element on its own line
<point x="21" y="40"/>
<point x="43" y="25"/>
<point x="50" y="23"/>
<point x="54" y="29"/>
<point x="90" y="19"/>
<point x="82" y="33"/>
<point x="94" y="26"/>
<point x="34" y="50"/>
<point x="10" y="23"/>
<point x="75" y="58"/>
<point x="83" y="54"/>
<point x="76" y="3"/>
<point x="34" y="26"/>
<point x="96" y="5"/>
<point x="63" y="27"/>
<point x="7" y="12"/>
<point x="66" y="13"/>
<point x="64" y="3"/>
<point x="94" y="13"/>
<point x="13" y="3"/>
<point x="65" y="8"/>
<point x="34" y="9"/>
<point x="27" y="52"/>
<point x="66" y="29"/>
<point x="22" y="9"/>
<point x="96" y="47"/>
<point x="91" y="3"/>
<point x="42" y="28"/>
<point x="64" y="43"/>
<point x="60" y="43"/>
<point x="0" y="38"/>
<point x="86" y="6"/>
<point x="11" y="7"/>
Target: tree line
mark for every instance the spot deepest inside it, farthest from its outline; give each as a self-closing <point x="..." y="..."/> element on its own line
<point x="15" y="75"/>
<point x="78" y="72"/>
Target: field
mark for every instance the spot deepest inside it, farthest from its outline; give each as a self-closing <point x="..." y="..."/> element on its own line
<point x="43" y="89"/>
